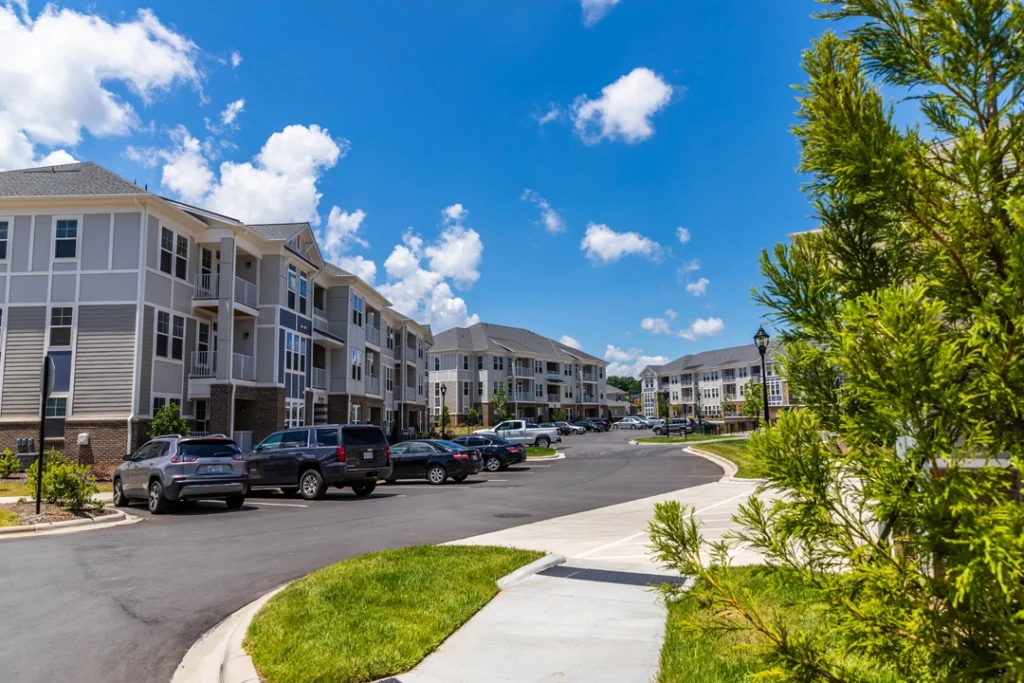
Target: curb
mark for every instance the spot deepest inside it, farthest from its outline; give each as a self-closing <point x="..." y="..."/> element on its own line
<point x="559" y="455"/>
<point x="728" y="465"/>
<point x="547" y="562"/>
<point x="31" y="529"/>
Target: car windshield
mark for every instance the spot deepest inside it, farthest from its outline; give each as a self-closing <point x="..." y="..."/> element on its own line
<point x="448" y="445"/>
<point x="218" y="448"/>
<point x="362" y="436"/>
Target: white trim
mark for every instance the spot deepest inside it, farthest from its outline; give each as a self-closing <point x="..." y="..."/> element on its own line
<point x="102" y="271"/>
<point x="31" y="243"/>
<point x="10" y="231"/>
<point x="110" y="244"/>
<point x="133" y="410"/>
<point x="161" y="226"/>
<point x="53" y="237"/>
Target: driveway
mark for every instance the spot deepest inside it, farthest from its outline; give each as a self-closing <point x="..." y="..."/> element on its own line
<point x="124" y="604"/>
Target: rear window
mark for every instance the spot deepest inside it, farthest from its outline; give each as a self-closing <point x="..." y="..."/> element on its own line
<point x="327" y="437"/>
<point x="363" y="436"/>
<point x="208" y="449"/>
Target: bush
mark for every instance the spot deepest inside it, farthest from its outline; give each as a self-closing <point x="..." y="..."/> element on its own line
<point x="168" y="420"/>
<point x="9" y="463"/>
<point x="103" y="471"/>
<point x="64" y="483"/>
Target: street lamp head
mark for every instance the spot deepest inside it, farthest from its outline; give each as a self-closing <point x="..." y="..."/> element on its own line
<point x="444" y="389"/>
<point x="761" y="339"/>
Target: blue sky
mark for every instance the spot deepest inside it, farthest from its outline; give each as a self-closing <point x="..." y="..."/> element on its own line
<point x="426" y="123"/>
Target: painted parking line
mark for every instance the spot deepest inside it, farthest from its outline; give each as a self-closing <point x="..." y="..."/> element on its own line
<point x="276" y="505"/>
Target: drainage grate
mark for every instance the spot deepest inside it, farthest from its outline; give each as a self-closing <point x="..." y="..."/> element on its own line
<point x="606" y="576"/>
<point x="512" y="515"/>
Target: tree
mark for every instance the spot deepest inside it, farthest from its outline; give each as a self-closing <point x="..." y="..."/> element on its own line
<point x="557" y="415"/>
<point x="728" y="406"/>
<point x="630" y="385"/>
<point x="902" y="321"/>
<point x="473" y="416"/>
<point x="500" y="403"/>
<point x="168" y="421"/>
<point x="662" y="406"/>
<point x="445" y="421"/>
<point x="753" y="400"/>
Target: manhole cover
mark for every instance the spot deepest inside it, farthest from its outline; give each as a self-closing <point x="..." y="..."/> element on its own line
<point x="512" y="515"/>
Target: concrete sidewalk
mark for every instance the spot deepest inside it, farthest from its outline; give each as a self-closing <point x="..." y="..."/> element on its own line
<point x="604" y="625"/>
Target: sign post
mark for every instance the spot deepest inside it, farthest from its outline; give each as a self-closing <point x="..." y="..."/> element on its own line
<point x="45" y="388"/>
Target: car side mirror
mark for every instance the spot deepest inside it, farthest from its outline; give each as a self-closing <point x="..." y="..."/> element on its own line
<point x="257" y="448"/>
<point x="127" y="457"/>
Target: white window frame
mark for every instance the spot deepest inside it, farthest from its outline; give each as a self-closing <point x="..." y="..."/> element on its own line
<point x="70" y="326"/>
<point x="389" y="378"/>
<point x="358" y="309"/>
<point x="356" y="363"/>
<point x="6" y="241"/>
<point x="292" y="286"/>
<point x="177" y="238"/>
<point x="294" y="413"/>
<point x="171" y="336"/>
<point x="303" y="298"/>
<point x="205" y="421"/>
<point x="78" y="237"/>
<point x="165" y="398"/>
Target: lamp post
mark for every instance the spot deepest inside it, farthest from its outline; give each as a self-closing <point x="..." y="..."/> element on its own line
<point x="761" y="339"/>
<point x="444" y="390"/>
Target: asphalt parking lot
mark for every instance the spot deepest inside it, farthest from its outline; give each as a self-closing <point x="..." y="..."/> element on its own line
<point x="124" y="604"/>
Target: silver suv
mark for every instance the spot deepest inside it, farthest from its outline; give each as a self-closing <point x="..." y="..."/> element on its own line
<point x="172" y="468"/>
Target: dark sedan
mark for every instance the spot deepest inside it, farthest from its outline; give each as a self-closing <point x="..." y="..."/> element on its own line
<point x="497" y="453"/>
<point x="435" y="460"/>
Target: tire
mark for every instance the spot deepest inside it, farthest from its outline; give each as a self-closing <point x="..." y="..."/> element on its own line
<point x="120" y="499"/>
<point x="290" y="491"/>
<point x="543" y="442"/>
<point x="436" y="475"/>
<point x="363" y="489"/>
<point x="461" y="477"/>
<point x="493" y="463"/>
<point x="311" y="485"/>
<point x="155" y="501"/>
<point x="235" y="501"/>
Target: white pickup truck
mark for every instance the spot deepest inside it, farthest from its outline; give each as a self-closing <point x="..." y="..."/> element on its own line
<point x="524" y="432"/>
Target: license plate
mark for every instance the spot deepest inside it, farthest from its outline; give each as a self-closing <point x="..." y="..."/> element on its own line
<point x="215" y="469"/>
<point x="368" y="455"/>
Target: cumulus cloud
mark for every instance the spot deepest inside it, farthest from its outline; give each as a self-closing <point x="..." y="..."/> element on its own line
<point x="624" y="109"/>
<point x="360" y="267"/>
<point x="683" y="235"/>
<point x="553" y="222"/>
<point x="236" y="59"/>
<point x="688" y="267"/>
<point x="702" y="327"/>
<point x="698" y="288"/>
<point x="553" y="113"/>
<point x="55" y="78"/>
<point x="629" y="363"/>
<point x="570" y="341"/>
<point x="340" y="234"/>
<point x="603" y="245"/>
<point x="595" y="10"/>
<point x="231" y="112"/>
<point x="279" y="184"/>
<point x="422" y="290"/>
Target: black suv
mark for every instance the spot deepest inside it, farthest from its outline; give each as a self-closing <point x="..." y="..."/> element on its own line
<point x="306" y="460"/>
<point x="673" y="426"/>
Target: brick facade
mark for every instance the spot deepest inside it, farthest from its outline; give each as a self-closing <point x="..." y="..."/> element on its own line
<point x="108" y="441"/>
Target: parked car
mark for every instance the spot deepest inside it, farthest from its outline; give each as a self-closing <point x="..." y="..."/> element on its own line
<point x="521" y="432"/>
<point x="497" y="453"/>
<point x="174" y="468"/>
<point x="673" y="426"/>
<point x="435" y="460"/>
<point x="599" y="424"/>
<point x="630" y="422"/>
<point x="587" y="426"/>
<point x="562" y="431"/>
<point x="306" y="460"/>
<point x="570" y="428"/>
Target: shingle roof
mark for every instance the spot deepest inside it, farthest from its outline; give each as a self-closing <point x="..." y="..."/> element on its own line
<point x="490" y="337"/>
<point x="71" y="180"/>
<point x="277" y="232"/>
<point x="734" y="355"/>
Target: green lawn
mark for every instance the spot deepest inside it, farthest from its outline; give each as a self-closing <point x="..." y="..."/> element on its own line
<point x="736" y="451"/>
<point x="376" y="615"/>
<point x="734" y="656"/>
<point x="8" y="518"/>
<point x="692" y="438"/>
<point x="537" y="452"/>
<point x="21" y="489"/>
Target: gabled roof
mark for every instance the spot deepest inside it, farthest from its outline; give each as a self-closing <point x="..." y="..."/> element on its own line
<point x="504" y="339"/>
<point x="71" y="180"/>
<point x="734" y="355"/>
<point x="277" y="232"/>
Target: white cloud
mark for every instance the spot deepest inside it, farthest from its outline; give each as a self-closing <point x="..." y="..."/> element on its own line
<point x="279" y="184"/>
<point x="553" y="113"/>
<point x="688" y="267"/>
<point x="570" y="341"/>
<point x="701" y="327"/>
<point x="55" y="77"/>
<point x="629" y="363"/>
<point x="670" y="314"/>
<point x="659" y="325"/>
<point x="601" y="244"/>
<point x="424" y="293"/>
<point x="624" y="109"/>
<point x="594" y="10"/>
<point x="231" y="112"/>
<point x="553" y="222"/>
<point x="236" y="59"/>
<point x="360" y="267"/>
<point x="340" y="234"/>
<point x="683" y="235"/>
<point x="698" y="288"/>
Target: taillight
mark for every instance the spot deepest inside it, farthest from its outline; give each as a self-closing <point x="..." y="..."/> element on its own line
<point x="387" y="456"/>
<point x="238" y="457"/>
<point x="460" y="456"/>
<point x="179" y="458"/>
<point x="341" y="454"/>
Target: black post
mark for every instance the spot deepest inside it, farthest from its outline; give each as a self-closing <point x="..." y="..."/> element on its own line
<point x="764" y="383"/>
<point x="44" y="391"/>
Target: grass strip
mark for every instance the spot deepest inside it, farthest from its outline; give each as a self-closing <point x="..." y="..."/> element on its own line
<point x="538" y="452"/>
<point x="10" y="489"/>
<point x="376" y="615"/>
<point x="735" y="451"/>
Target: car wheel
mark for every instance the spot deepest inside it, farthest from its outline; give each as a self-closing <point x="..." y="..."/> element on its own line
<point x="156" y="501"/>
<point x="543" y="442"/>
<point x="363" y="489"/>
<point x="290" y="491"/>
<point x="235" y="501"/>
<point x="493" y="463"/>
<point x="461" y="477"/>
<point x="436" y="474"/>
<point x="311" y="485"/>
<point x="120" y="499"/>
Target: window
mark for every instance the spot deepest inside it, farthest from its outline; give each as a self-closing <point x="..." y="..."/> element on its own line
<point x="3" y="240"/>
<point x="295" y="416"/>
<point x="465" y="362"/>
<point x="201" y="410"/>
<point x="437" y="363"/>
<point x="160" y="401"/>
<point x="600" y="373"/>
<point x="327" y="437"/>
<point x="303" y="292"/>
<point x="465" y="388"/>
<point x="60" y="326"/>
<point x="538" y="367"/>
<point x="293" y="285"/>
<point x="56" y="407"/>
<point x="358" y="308"/>
<point x="479" y="362"/>
<point x="389" y="379"/>
<point x="391" y="337"/>
<point x="163" y="333"/>
<point x="494" y="390"/>
<point x="479" y="388"/>
<point x="178" y="338"/>
<point x="295" y="352"/>
<point x="170" y="335"/>
<point x="166" y="251"/>
<point x="66" y="241"/>
<point x="357" y="364"/>
<point x="181" y="262"/>
<point x="56" y="411"/>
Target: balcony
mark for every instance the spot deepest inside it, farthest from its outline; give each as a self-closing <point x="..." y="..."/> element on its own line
<point x="523" y="371"/>
<point x="207" y="286"/>
<point x="373" y="336"/>
<point x="590" y="399"/>
<point x="243" y="367"/>
<point x="554" y="398"/>
<point x="524" y="396"/>
<point x="410" y="394"/>
<point x="246" y="294"/>
<point x="319" y="313"/>
<point x="589" y="376"/>
<point x="321" y="325"/>
<point x="373" y="386"/>
<point x="554" y="374"/>
<point x="204" y="364"/>
<point x="318" y="378"/>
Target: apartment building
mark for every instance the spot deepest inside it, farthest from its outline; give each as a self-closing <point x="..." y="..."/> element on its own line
<point x="697" y="384"/>
<point x="538" y="374"/>
<point x="142" y="301"/>
<point x="616" y="403"/>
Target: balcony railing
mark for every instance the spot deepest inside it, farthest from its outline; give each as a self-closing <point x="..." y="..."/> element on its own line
<point x="410" y="393"/>
<point x="524" y="396"/>
<point x="373" y="386"/>
<point x="318" y="378"/>
<point x="589" y="399"/>
<point x="319" y="313"/>
<point x="245" y="293"/>
<point x="554" y="398"/>
<point x="592" y="377"/>
<point x="204" y="364"/>
<point x="207" y="286"/>
<point x="554" y="374"/>
<point x="321" y="324"/>
<point x="243" y="367"/>
<point x="523" y="371"/>
<point x="373" y="336"/>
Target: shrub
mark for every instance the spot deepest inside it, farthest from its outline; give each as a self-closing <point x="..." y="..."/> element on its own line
<point x="168" y="420"/>
<point x="9" y="463"/>
<point x="103" y="471"/>
<point x="64" y="483"/>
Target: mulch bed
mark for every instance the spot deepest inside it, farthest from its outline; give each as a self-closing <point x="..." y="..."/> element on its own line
<point x="50" y="513"/>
